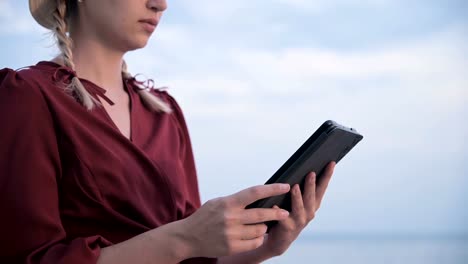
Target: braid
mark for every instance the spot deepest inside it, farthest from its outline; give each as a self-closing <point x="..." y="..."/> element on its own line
<point x="154" y="102"/>
<point x="76" y="87"/>
<point x="125" y="73"/>
<point x="65" y="44"/>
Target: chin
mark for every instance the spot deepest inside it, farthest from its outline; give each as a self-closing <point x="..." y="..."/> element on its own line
<point x="136" y="43"/>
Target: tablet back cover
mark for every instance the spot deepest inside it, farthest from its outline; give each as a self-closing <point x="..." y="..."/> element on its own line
<point x="331" y="142"/>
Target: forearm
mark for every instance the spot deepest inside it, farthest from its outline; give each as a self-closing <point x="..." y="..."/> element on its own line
<point x="161" y="245"/>
<point x="250" y="257"/>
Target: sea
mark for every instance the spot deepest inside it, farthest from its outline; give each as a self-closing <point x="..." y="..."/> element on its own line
<point x="450" y="249"/>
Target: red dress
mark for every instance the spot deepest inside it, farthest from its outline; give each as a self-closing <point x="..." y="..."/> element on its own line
<point x="72" y="183"/>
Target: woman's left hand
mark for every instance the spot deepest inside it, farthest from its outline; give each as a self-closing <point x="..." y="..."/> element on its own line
<point x="303" y="209"/>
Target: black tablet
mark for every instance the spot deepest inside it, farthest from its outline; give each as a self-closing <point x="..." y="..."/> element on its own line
<point x="331" y="142"/>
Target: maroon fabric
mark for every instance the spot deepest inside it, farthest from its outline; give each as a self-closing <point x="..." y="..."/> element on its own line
<point x="72" y="183"/>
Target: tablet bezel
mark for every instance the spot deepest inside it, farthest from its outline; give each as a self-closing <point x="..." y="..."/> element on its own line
<point x="308" y="148"/>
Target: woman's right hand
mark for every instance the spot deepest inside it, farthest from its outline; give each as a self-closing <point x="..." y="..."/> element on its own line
<point x="223" y="226"/>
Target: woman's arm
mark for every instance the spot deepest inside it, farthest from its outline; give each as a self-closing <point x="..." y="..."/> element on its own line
<point x="221" y="227"/>
<point x="162" y="245"/>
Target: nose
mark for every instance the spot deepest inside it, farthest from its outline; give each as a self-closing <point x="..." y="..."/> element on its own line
<point x="157" y="5"/>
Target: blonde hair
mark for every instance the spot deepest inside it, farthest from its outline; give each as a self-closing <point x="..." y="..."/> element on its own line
<point x="64" y="43"/>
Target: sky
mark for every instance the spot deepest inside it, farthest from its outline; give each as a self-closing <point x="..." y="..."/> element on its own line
<point x="256" y="78"/>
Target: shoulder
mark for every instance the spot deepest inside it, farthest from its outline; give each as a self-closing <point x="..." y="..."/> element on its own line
<point x="16" y="82"/>
<point x="177" y="113"/>
<point x="21" y="87"/>
<point x="169" y="99"/>
<point x="29" y="77"/>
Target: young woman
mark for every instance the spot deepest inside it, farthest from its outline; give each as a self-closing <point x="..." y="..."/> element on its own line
<point x="96" y="167"/>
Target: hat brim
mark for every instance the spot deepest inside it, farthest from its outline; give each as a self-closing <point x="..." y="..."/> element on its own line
<point x="43" y="12"/>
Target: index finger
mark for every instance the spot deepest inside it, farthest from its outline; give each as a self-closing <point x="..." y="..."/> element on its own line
<point x="252" y="194"/>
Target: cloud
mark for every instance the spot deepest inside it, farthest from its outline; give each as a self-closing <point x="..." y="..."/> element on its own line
<point x="215" y="11"/>
<point x="249" y="109"/>
<point x="17" y="21"/>
<point x="253" y="107"/>
<point x="399" y="82"/>
<point x="439" y="53"/>
<point x="318" y="6"/>
<point x="222" y="11"/>
<point x="6" y="10"/>
<point x="433" y="66"/>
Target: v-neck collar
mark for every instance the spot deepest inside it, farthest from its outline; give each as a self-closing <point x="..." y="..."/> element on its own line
<point x="61" y="72"/>
<point x="131" y="110"/>
<point x="64" y="73"/>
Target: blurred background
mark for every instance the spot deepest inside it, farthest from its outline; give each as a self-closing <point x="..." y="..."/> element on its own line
<point x="256" y="78"/>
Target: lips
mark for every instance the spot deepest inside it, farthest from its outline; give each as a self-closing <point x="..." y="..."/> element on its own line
<point x="149" y="24"/>
<point x="150" y="21"/>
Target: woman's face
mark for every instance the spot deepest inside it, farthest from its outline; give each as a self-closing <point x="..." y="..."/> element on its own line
<point x="122" y="25"/>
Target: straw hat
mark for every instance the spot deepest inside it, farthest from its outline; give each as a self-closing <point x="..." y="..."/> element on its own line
<point x="42" y="11"/>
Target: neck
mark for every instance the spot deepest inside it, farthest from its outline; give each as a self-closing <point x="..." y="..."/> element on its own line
<point x="97" y="63"/>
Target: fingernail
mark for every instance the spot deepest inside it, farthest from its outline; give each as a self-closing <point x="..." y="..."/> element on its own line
<point x="284" y="213"/>
<point x="312" y="177"/>
<point x="296" y="188"/>
<point x="284" y="187"/>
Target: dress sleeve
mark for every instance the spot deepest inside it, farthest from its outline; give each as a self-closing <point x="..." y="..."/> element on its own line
<point x="187" y="158"/>
<point x="188" y="161"/>
<point x="30" y="227"/>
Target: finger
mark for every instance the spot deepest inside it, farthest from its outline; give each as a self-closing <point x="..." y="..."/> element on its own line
<point x="253" y="231"/>
<point x="260" y="215"/>
<point x="252" y="194"/>
<point x="325" y="179"/>
<point x="247" y="245"/>
<point x="309" y="195"/>
<point x="297" y="204"/>
<point x="288" y="223"/>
